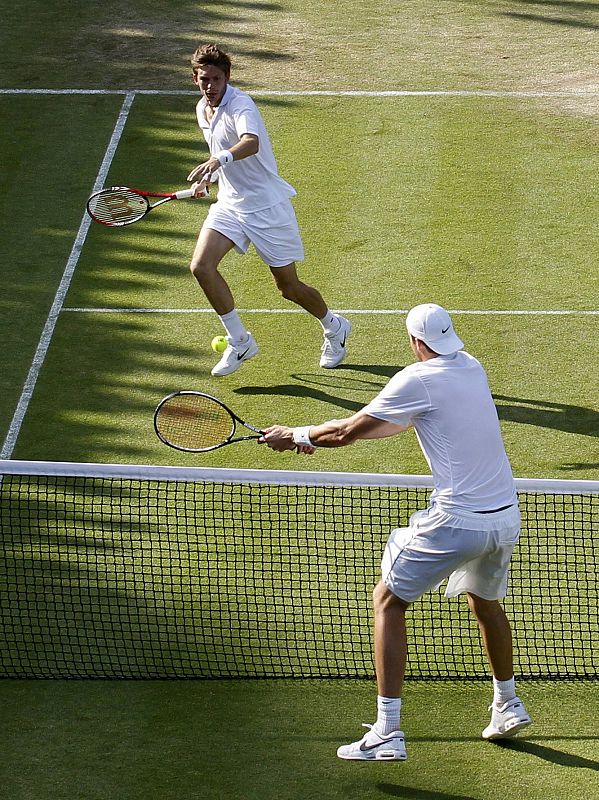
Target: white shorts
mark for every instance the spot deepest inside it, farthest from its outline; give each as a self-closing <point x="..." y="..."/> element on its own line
<point x="472" y="550"/>
<point x="274" y="232"/>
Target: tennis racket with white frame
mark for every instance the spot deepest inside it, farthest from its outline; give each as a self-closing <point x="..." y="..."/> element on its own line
<point x="197" y="422"/>
<point x="119" y="205"/>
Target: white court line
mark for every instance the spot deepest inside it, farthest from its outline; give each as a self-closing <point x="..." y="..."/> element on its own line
<point x="369" y="311"/>
<point x="319" y="92"/>
<point x="48" y="331"/>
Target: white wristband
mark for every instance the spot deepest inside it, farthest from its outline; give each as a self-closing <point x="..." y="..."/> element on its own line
<point x="224" y="157"/>
<point x="302" y="436"/>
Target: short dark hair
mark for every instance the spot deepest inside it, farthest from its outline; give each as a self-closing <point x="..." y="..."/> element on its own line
<point x="213" y="55"/>
<point x="430" y="350"/>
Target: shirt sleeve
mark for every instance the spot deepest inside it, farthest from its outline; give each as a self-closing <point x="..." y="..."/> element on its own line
<point x="247" y="119"/>
<point x="403" y="399"/>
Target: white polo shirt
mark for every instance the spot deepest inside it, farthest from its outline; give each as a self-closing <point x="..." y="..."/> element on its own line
<point x="253" y="183"/>
<point x="448" y="402"/>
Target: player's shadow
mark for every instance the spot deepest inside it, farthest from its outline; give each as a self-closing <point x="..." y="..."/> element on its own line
<point x="560" y="416"/>
<point x="325" y="386"/>
<point x="548" y="754"/>
<point x="571" y="11"/>
<point x="409" y="793"/>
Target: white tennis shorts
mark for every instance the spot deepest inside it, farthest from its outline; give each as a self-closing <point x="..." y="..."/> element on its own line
<point x="472" y="550"/>
<point x="274" y="232"/>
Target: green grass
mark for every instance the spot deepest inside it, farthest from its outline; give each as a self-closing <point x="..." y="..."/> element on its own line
<point x="194" y="740"/>
<point x="102" y="405"/>
<point x="487" y="192"/>
<point x="51" y="152"/>
<point x="421" y="44"/>
<point x="476" y="224"/>
<point x="474" y="202"/>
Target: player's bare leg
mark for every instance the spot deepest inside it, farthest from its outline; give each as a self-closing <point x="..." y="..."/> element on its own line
<point x="384" y="741"/>
<point x="390" y="641"/>
<point x="210" y="249"/>
<point x="508" y="714"/>
<point x="496" y="634"/>
<point x="335" y="327"/>
<point x="298" y="292"/>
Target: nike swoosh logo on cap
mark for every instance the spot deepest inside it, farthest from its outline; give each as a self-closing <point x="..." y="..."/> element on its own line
<point x="444" y="330"/>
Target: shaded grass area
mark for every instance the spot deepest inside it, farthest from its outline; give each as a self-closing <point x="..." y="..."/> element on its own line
<point x="277" y="739"/>
<point x="52" y="148"/>
<point x="94" y="402"/>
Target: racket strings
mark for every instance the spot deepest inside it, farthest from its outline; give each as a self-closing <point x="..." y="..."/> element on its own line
<point x="117" y="206"/>
<point x="194" y="422"/>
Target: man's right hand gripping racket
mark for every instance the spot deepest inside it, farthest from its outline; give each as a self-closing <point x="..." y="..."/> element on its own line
<point x="197" y="422"/>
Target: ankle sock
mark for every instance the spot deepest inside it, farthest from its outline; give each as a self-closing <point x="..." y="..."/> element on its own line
<point x="388" y="714"/>
<point x="503" y="691"/>
<point x="330" y="323"/>
<point x="234" y="327"/>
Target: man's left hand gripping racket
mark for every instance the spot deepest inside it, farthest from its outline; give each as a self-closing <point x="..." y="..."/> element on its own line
<point x="196" y="422"/>
<point x="120" y="205"/>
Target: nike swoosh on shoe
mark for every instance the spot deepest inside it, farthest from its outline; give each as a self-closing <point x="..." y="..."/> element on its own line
<point x="365" y="747"/>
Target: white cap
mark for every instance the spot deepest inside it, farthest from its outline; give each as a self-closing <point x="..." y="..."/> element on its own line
<point x="432" y="324"/>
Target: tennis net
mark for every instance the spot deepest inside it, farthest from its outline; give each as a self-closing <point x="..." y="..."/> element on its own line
<point x="168" y="572"/>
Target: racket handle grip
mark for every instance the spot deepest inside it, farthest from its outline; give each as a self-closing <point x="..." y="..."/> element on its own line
<point x="185" y="193"/>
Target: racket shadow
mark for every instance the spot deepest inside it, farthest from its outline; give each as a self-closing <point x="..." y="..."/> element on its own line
<point x="304" y="392"/>
<point x="329" y="381"/>
<point x="385" y="370"/>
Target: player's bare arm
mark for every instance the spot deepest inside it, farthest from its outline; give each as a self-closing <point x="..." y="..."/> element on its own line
<point x="334" y="433"/>
<point x="248" y="145"/>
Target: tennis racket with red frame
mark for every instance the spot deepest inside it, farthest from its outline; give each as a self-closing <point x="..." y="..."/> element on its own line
<point x="119" y="205"/>
<point x="197" y="422"/>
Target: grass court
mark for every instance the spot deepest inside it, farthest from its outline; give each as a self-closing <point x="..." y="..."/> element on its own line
<point x="442" y="152"/>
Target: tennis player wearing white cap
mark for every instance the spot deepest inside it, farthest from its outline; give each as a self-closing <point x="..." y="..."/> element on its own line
<point x="466" y="535"/>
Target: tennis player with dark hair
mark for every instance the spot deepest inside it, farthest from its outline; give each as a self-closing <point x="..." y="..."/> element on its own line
<point x="466" y="535"/>
<point x="253" y="207"/>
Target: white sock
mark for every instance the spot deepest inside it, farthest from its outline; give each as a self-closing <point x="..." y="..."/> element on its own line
<point x="388" y="715"/>
<point x="234" y="327"/>
<point x="503" y="691"/>
<point x="330" y="323"/>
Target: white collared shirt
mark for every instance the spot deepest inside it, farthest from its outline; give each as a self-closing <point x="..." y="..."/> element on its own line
<point x="448" y="402"/>
<point x="252" y="183"/>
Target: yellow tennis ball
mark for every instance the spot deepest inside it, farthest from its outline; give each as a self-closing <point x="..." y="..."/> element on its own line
<point x="219" y="344"/>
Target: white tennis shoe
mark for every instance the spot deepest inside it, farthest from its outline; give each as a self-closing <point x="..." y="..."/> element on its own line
<point x="234" y="355"/>
<point x="333" y="348"/>
<point x="374" y="746"/>
<point x="507" y="720"/>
